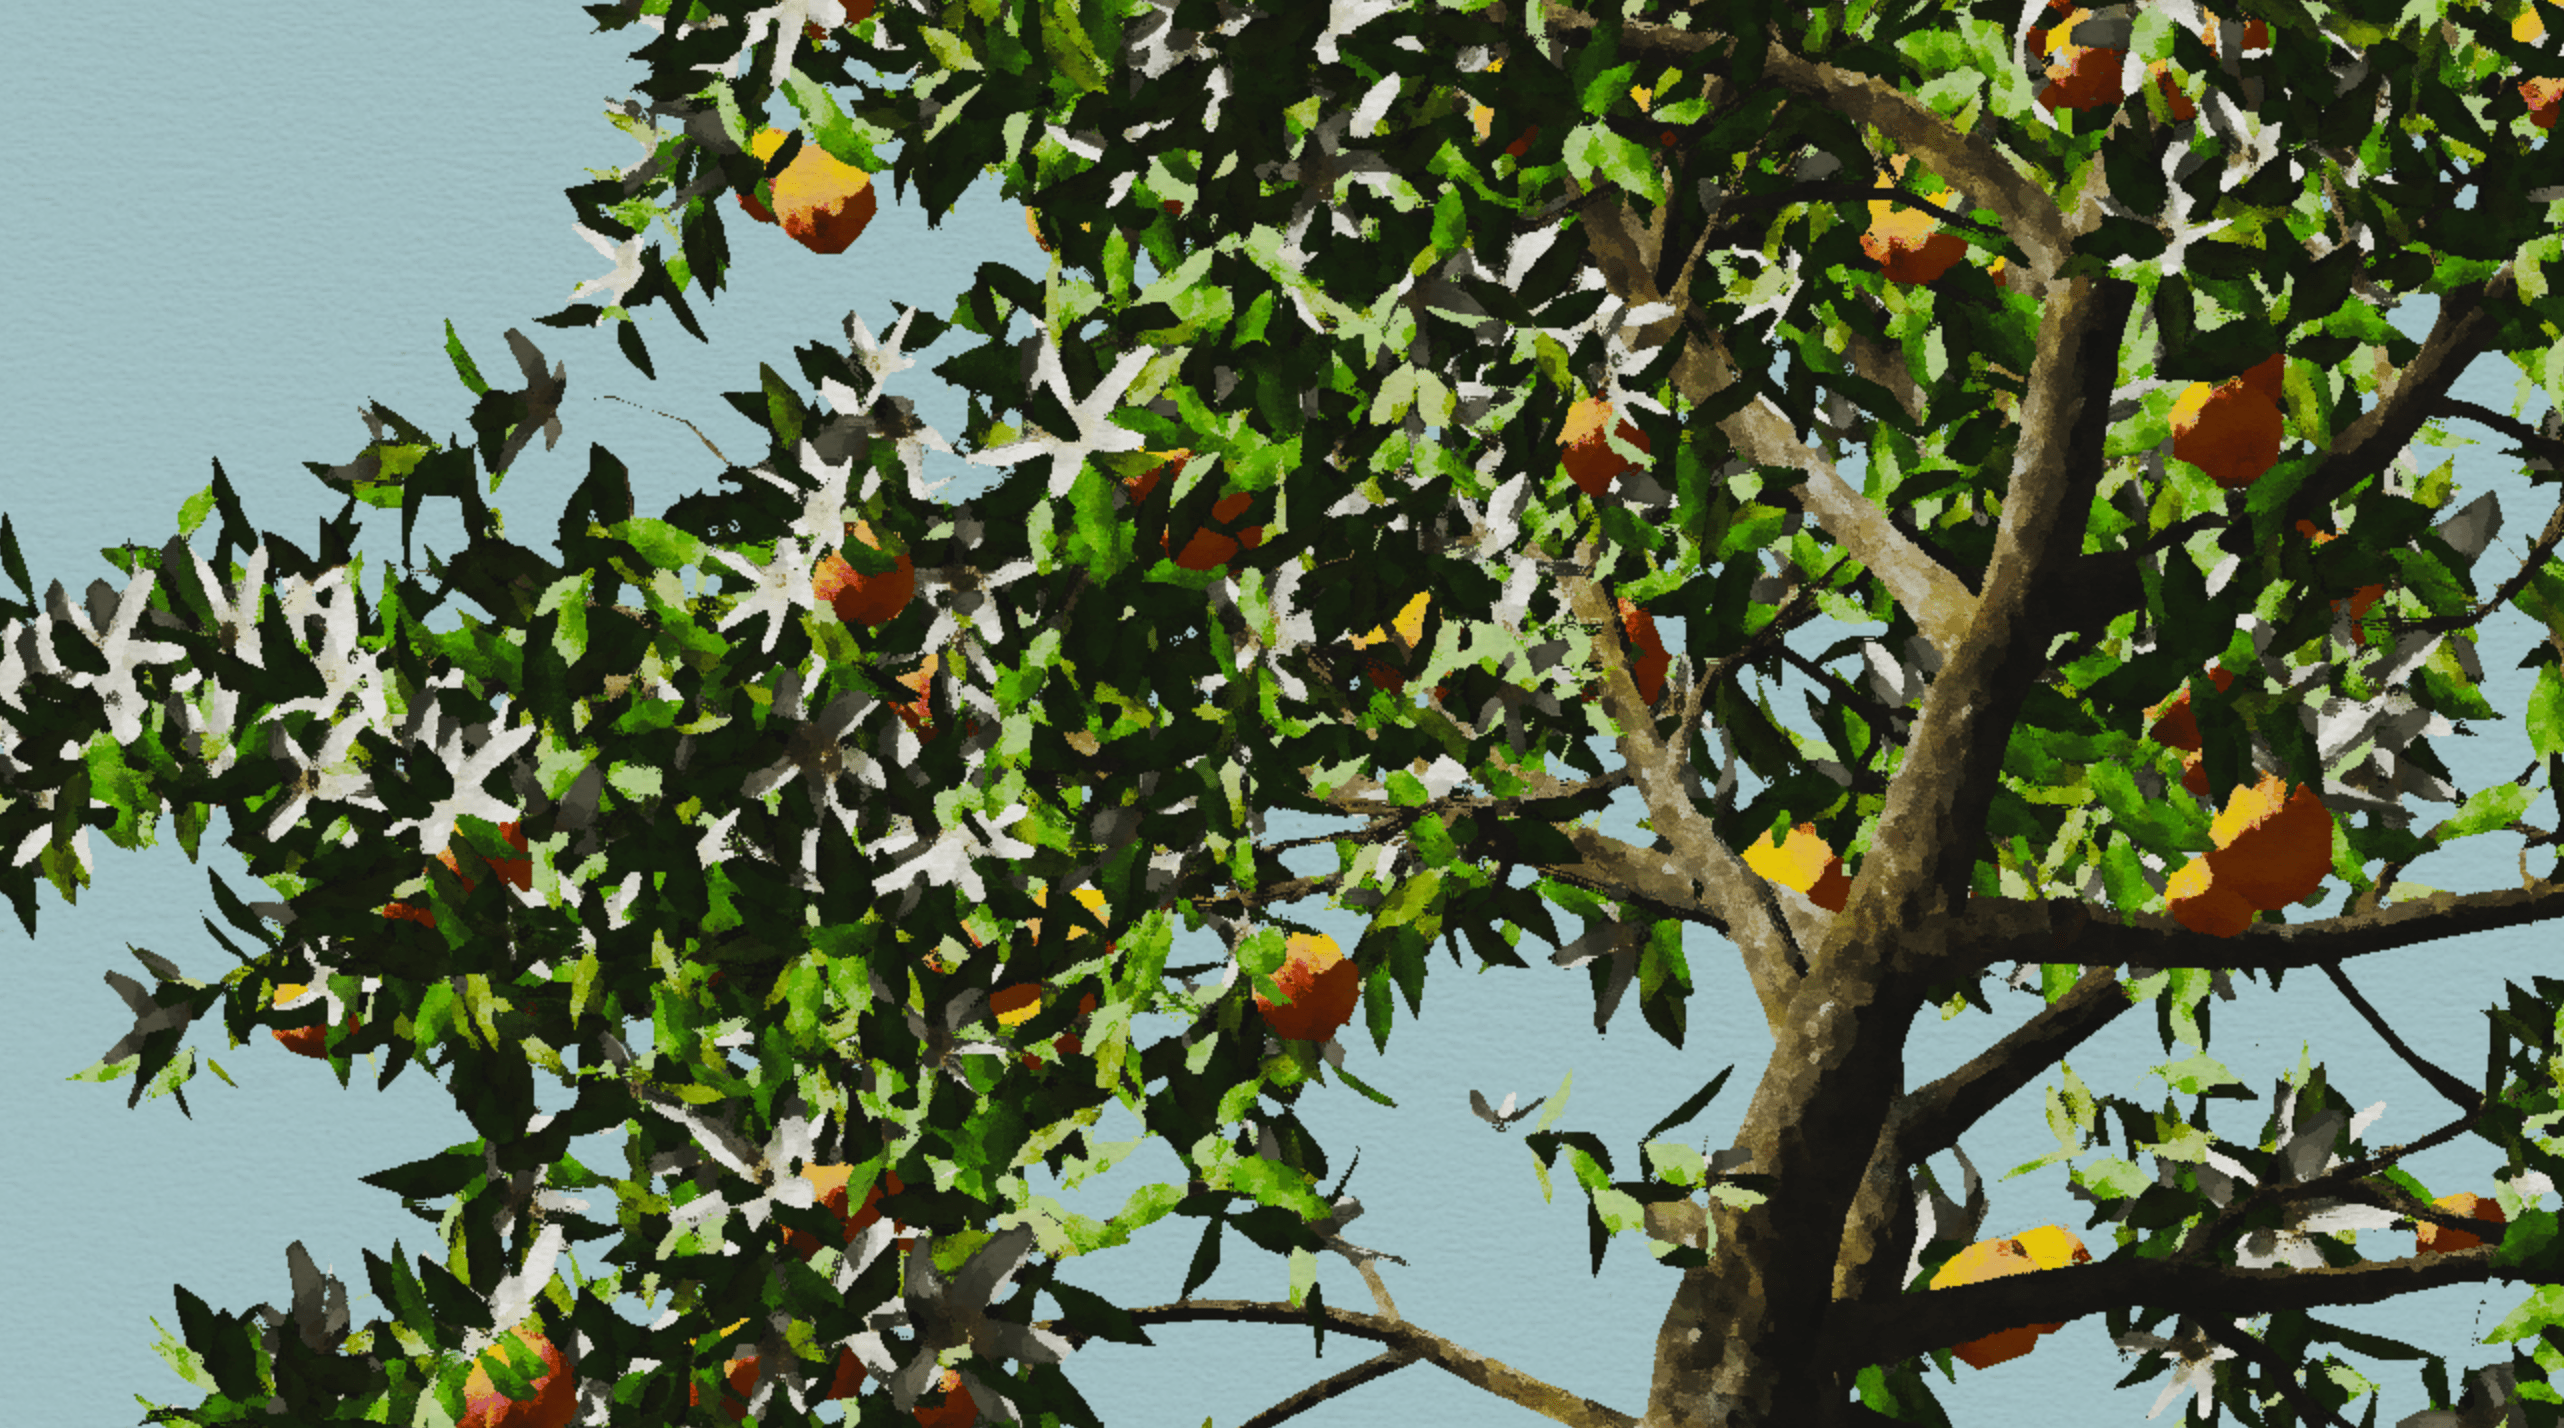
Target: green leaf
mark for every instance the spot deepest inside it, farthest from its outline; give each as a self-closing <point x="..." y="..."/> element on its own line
<point x="1593" y="148"/>
<point x="2546" y="713"/>
<point x="463" y="366"/>
<point x="659" y="543"/>
<point x="2487" y="808"/>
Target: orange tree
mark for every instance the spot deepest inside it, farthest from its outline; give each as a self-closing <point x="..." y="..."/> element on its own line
<point x="1368" y="331"/>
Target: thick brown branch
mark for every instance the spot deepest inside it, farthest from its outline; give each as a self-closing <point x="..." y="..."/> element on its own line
<point x="1502" y="1380"/>
<point x="1886" y="1330"/>
<point x="2151" y="940"/>
<point x="2464" y="331"/>
<point x="1744" y="901"/>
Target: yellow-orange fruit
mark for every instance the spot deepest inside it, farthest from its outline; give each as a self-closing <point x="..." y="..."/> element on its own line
<point x="556" y="1393"/>
<point x="1591" y="463"/>
<point x="306" y="1040"/>
<point x="2199" y="900"/>
<point x="1805" y="862"/>
<point x="830" y="1182"/>
<point x="1409" y="623"/>
<point x="825" y="204"/>
<point x="1324" y="987"/>
<point x="2047" y="1247"/>
<point x="861" y="599"/>
<point x="918" y="714"/>
<point x="2232" y="431"/>
<point x="2256" y="33"/>
<point x="2272" y="848"/>
<point x="740" y="1378"/>
<point x="2432" y="1239"/>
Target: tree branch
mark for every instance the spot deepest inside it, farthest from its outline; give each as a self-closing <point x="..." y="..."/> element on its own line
<point x="2153" y="940"/>
<point x="1902" y="1326"/>
<point x="2463" y="332"/>
<point x="1744" y="901"/>
<point x="2463" y="1096"/>
<point x="1379" y="1366"/>
<point x="1503" y="1381"/>
<point x="2245" y="1344"/>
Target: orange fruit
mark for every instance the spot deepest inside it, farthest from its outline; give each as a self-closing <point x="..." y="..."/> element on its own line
<point x="826" y="204"/>
<point x="2545" y="97"/>
<point x="1804" y="862"/>
<point x="1409" y="624"/>
<point x="741" y="1375"/>
<point x="2432" y="1239"/>
<point x="1649" y="660"/>
<point x="1206" y="548"/>
<point x="1591" y="463"/>
<point x="2182" y="108"/>
<point x="305" y="1040"/>
<point x="2176" y="726"/>
<point x="515" y="872"/>
<point x="1017" y="1004"/>
<point x="2047" y="1247"/>
<point x="917" y="713"/>
<point x="861" y="599"/>
<point x="954" y="1410"/>
<point x="2199" y="900"/>
<point x="2256" y="33"/>
<point x="556" y="1393"/>
<point x="830" y="1182"/>
<point x="2232" y="431"/>
<point x="2272" y="849"/>
<point x="1323" y="985"/>
<point x="2079" y="76"/>
<point x="1094" y="901"/>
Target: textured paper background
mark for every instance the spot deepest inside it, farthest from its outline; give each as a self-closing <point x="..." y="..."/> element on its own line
<point x="232" y="226"/>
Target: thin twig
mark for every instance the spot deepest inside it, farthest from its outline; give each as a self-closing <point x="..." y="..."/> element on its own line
<point x="2253" y="1349"/>
<point x="1379" y="1366"/>
<point x="2458" y="1092"/>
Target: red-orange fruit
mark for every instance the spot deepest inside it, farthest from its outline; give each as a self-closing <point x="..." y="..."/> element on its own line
<point x="308" y="1041"/>
<point x="955" y="1410"/>
<point x="1805" y="862"/>
<point x="2231" y="431"/>
<point x="2432" y="1239"/>
<point x="2272" y="848"/>
<point x="2176" y="726"/>
<point x="2178" y="104"/>
<point x="2201" y="901"/>
<point x="861" y="599"/>
<point x="1213" y="545"/>
<point x="740" y="1378"/>
<point x="2047" y="1247"/>
<point x="2083" y="77"/>
<point x="1648" y="659"/>
<point x="1590" y="461"/>
<point x="556" y="1393"/>
<point x="1324" y="987"/>
<point x="830" y="1182"/>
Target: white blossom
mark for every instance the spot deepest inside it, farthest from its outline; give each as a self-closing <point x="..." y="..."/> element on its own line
<point x="436" y="828"/>
<point x="627" y="267"/>
<point x="124" y="654"/>
<point x="778" y="588"/>
<point x="1095" y="430"/>
<point x="327" y="776"/>
<point x="949" y="860"/>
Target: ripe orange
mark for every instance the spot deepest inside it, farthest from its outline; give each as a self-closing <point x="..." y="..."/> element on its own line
<point x="2272" y="849"/>
<point x="917" y="713"/>
<point x="2182" y="108"/>
<point x="305" y="1040"/>
<point x="2545" y="97"/>
<point x="515" y="872"/>
<point x="2201" y="901"/>
<point x="1207" y="548"/>
<point x="2256" y="33"/>
<point x="1591" y="463"/>
<point x="861" y="599"/>
<point x="1094" y="901"/>
<point x="1409" y="624"/>
<point x="2047" y="1247"/>
<point x="826" y="205"/>
<point x="2232" y="430"/>
<point x="2079" y="76"/>
<point x="1323" y="985"/>
<point x="1905" y="241"/>
<point x="830" y="1182"/>
<point x="2432" y="1239"/>
<point x="741" y="1376"/>
<point x="956" y="1410"/>
<point x="1804" y="862"/>
<point x="556" y="1393"/>
<point x="2176" y="726"/>
<point x="1648" y="659"/>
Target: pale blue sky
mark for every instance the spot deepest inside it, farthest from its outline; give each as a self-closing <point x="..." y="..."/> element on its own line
<point x="267" y="221"/>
